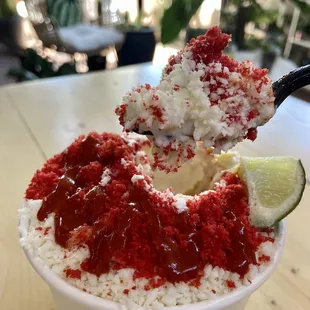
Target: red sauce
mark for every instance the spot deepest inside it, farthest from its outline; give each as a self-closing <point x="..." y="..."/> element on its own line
<point x="125" y="226"/>
<point x="241" y="254"/>
<point x="181" y="264"/>
<point x="103" y="245"/>
<point x="46" y="231"/>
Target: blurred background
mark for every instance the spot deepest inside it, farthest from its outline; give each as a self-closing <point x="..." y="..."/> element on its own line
<point x="46" y="38"/>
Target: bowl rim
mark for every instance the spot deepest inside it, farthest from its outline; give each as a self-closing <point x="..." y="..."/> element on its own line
<point x="56" y="283"/>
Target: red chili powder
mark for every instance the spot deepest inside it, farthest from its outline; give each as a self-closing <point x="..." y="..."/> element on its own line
<point x="230" y="284"/>
<point x="73" y="273"/>
<point x="264" y="258"/>
<point x="126" y="226"/>
<point x="252" y="134"/>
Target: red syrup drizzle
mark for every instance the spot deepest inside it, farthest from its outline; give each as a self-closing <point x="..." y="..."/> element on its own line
<point x="242" y="254"/>
<point x="180" y="263"/>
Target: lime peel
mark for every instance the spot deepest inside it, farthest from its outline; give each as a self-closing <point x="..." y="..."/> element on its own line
<point x="275" y="187"/>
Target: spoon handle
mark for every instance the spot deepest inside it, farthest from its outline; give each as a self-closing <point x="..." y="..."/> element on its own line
<point x="286" y="85"/>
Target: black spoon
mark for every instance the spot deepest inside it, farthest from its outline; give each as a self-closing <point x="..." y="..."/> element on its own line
<point x="282" y="88"/>
<point x="287" y="84"/>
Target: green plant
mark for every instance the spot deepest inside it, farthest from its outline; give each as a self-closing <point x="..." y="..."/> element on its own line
<point x="303" y="22"/>
<point x="238" y="13"/>
<point x="177" y="17"/>
<point x="257" y="14"/>
<point x="33" y="67"/>
<point x="130" y="26"/>
<point x="64" y="12"/>
<point x="303" y="6"/>
<point x="7" y="8"/>
<point x="268" y="46"/>
<point x="254" y="13"/>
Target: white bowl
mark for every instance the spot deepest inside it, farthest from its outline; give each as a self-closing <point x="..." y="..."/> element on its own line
<point x="68" y="297"/>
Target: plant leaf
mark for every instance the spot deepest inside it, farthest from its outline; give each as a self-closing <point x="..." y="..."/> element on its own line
<point x="303" y="6"/>
<point x="236" y="2"/>
<point x="7" y="8"/>
<point x="177" y="17"/>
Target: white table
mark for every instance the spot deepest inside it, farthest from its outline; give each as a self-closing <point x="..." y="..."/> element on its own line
<point x="41" y="118"/>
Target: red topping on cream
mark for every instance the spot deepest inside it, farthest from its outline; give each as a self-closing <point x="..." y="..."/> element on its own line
<point x="126" y="223"/>
<point x="73" y="273"/>
<point x="230" y="284"/>
<point x="203" y="95"/>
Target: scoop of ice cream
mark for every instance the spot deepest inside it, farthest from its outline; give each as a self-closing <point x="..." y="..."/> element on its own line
<point x="203" y="95"/>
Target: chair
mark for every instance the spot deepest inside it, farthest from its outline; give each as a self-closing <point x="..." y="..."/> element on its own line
<point x="92" y="40"/>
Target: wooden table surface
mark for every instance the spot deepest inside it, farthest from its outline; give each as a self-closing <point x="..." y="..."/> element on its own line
<point x="40" y="119"/>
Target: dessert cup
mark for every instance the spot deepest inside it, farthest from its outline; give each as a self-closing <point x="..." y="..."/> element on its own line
<point x="68" y="297"/>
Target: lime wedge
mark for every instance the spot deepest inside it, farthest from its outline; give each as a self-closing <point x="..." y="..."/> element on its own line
<point x="275" y="187"/>
<point x="229" y="161"/>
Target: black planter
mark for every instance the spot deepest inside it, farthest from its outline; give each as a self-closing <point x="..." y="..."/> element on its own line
<point x="241" y="20"/>
<point x="268" y="59"/>
<point x="96" y="63"/>
<point x="139" y="47"/>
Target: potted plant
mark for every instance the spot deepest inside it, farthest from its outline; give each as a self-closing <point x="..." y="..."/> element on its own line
<point x="140" y="42"/>
<point x="33" y="67"/>
<point x="64" y="12"/>
<point x="177" y="17"/>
